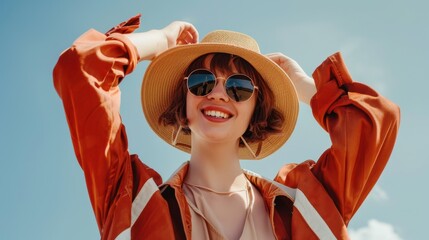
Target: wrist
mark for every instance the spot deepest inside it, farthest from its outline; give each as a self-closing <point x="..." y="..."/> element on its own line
<point x="305" y="88"/>
<point x="149" y="44"/>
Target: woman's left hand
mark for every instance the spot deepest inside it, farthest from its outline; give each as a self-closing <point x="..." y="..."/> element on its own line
<point x="304" y="84"/>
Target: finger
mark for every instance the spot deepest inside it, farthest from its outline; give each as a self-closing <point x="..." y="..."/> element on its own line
<point x="180" y="42"/>
<point x="184" y="38"/>
<point x="271" y="54"/>
<point x="192" y="37"/>
<point x="191" y="34"/>
<point x="274" y="57"/>
<point x="274" y="54"/>
<point x="188" y="37"/>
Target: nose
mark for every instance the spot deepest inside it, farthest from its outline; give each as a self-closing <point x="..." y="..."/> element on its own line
<point x="218" y="92"/>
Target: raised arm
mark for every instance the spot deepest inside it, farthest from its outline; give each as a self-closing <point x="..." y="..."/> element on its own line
<point x="362" y="126"/>
<point x="86" y="78"/>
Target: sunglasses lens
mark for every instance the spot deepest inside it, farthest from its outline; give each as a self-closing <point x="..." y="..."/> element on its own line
<point x="201" y="82"/>
<point x="239" y="87"/>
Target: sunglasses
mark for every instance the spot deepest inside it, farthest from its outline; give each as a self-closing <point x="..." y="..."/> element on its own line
<point x="238" y="87"/>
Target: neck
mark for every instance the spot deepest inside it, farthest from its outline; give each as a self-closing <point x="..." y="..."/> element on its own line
<point x="216" y="166"/>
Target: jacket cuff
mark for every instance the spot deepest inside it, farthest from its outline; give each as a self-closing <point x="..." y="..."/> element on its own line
<point x="133" y="55"/>
<point x="125" y="27"/>
<point x="331" y="79"/>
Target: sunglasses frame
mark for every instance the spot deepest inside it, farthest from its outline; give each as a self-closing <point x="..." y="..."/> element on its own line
<point x="224" y="84"/>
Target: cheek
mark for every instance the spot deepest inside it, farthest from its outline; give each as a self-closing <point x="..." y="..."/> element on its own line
<point x="246" y="113"/>
<point x="190" y="107"/>
<point x="251" y="108"/>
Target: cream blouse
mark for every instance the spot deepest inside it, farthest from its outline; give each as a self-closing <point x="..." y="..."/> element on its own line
<point x="212" y="211"/>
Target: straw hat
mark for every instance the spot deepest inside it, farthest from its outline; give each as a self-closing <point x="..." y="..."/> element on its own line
<point x="164" y="71"/>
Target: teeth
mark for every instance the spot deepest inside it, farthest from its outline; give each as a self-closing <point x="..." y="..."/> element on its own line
<point x="217" y="114"/>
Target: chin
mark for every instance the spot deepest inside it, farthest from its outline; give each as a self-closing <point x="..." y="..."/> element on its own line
<point x="218" y="136"/>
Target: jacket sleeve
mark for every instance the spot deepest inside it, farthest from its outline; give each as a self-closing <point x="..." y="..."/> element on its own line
<point x="362" y="126"/>
<point x="86" y="78"/>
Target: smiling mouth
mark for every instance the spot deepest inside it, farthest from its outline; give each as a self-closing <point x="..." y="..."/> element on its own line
<point x="216" y="114"/>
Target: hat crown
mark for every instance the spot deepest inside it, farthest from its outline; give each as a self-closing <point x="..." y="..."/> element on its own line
<point x="231" y="38"/>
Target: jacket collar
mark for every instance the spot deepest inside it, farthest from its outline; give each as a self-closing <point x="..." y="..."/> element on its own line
<point x="269" y="190"/>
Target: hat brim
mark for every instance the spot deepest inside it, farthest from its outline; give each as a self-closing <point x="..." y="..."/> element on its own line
<point x="164" y="71"/>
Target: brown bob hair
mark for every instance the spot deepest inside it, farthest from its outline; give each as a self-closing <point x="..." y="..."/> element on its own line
<point x="266" y="119"/>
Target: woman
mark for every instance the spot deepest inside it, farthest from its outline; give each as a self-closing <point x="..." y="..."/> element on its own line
<point x="221" y="100"/>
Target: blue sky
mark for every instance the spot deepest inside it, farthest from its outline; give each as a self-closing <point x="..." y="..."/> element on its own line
<point x="384" y="43"/>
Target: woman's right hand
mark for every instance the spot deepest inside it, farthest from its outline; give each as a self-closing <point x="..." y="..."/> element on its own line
<point x="179" y="33"/>
<point x="152" y="43"/>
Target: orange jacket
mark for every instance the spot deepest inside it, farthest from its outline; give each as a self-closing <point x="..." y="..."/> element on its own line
<point x="311" y="200"/>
